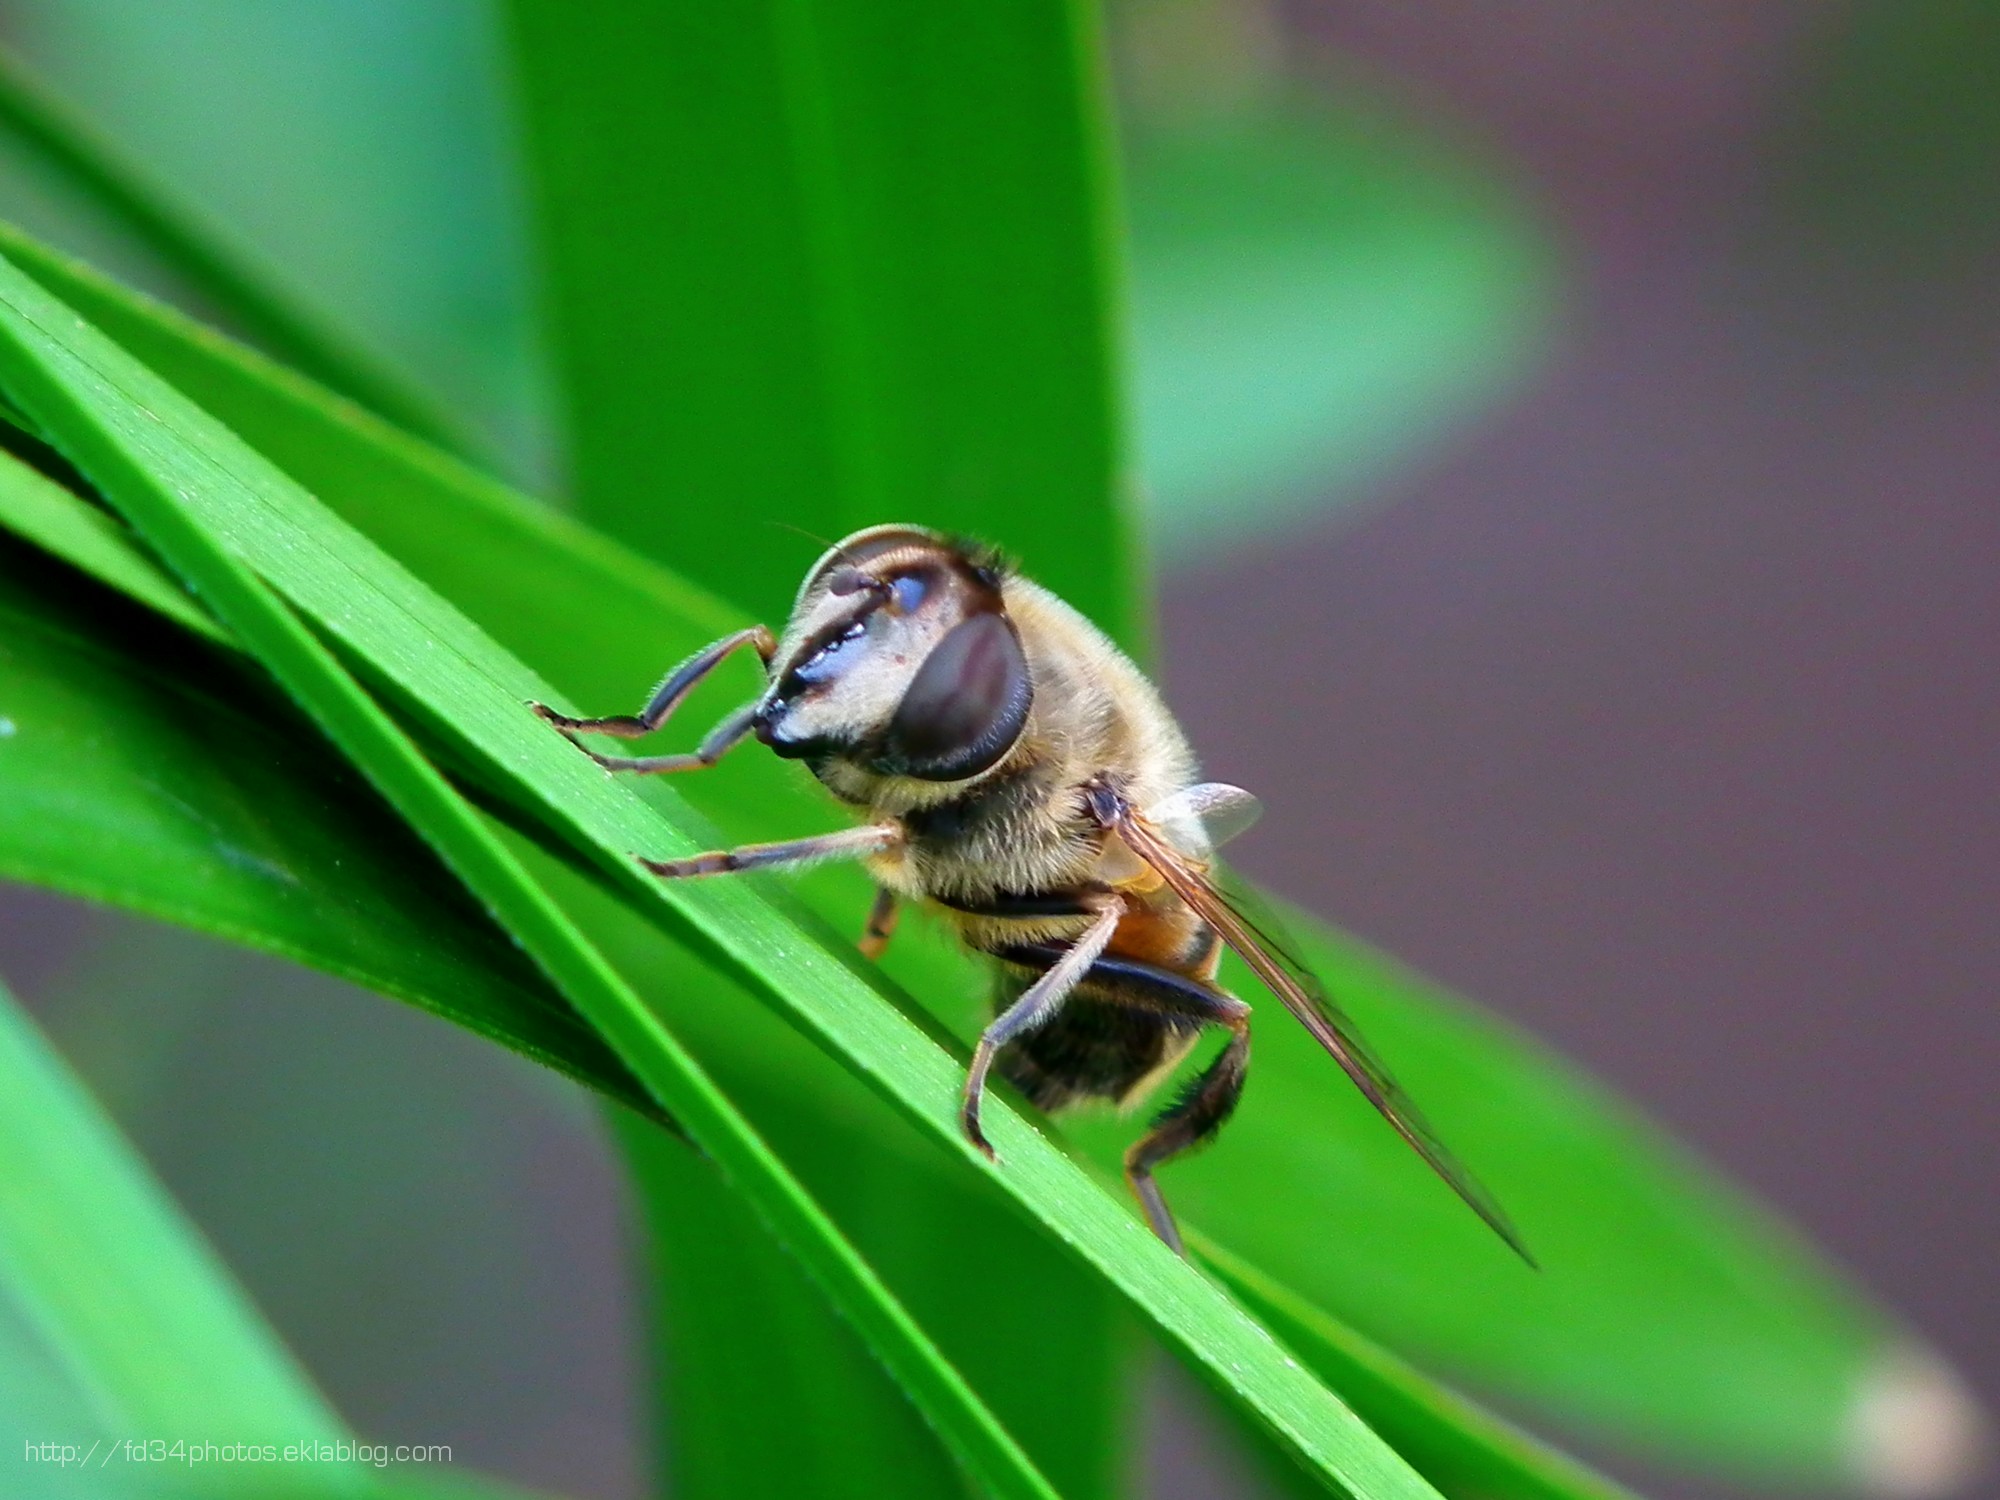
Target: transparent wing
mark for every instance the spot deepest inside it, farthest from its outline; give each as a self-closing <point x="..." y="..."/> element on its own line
<point x="1252" y="931"/>
<point x="1205" y="817"/>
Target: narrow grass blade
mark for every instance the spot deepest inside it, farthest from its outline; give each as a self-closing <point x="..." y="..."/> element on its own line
<point x="1003" y="1302"/>
<point x="1795" y="1356"/>
<point x="1461" y="1448"/>
<point x="157" y="483"/>
<point x="33" y="505"/>
<point x="197" y="254"/>
<point x="745" y="1337"/>
<point x="193" y="481"/>
<point x="143" y="770"/>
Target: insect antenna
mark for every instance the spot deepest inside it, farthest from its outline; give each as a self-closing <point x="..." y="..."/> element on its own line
<point x="811" y="536"/>
<point x="846" y="579"/>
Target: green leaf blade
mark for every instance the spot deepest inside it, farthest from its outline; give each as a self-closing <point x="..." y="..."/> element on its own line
<point x="147" y="772"/>
<point x="197" y="254"/>
<point x="878" y="294"/>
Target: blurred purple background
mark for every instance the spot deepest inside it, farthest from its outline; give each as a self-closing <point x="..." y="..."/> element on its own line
<point x="1661" y="709"/>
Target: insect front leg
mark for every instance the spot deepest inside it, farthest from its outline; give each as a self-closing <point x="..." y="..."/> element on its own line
<point x="1036" y="1007"/>
<point x="666" y="698"/>
<point x="849" y="843"/>
<point x="1170" y="997"/>
<point x="724" y="737"/>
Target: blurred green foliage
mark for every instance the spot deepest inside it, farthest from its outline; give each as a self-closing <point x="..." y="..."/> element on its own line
<point x="1891" y="146"/>
<point x="1318" y="293"/>
<point x="1320" y="284"/>
<point x="357" y="158"/>
<point x="119" y="1293"/>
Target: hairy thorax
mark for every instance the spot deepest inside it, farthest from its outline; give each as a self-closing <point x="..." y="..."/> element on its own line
<point x="1023" y="830"/>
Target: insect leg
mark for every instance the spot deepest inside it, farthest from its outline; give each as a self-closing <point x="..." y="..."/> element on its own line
<point x="881" y="924"/>
<point x="1197" y="1115"/>
<point x="849" y="843"/>
<point x="668" y="695"/>
<point x="1036" y="1007"/>
<point x="725" y="736"/>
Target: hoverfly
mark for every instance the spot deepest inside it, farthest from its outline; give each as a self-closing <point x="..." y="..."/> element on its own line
<point x="1022" y="778"/>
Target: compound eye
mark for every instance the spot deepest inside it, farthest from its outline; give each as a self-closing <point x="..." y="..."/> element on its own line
<point x="966" y="706"/>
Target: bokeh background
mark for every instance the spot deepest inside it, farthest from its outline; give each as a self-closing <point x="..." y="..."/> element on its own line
<point x="1571" y="434"/>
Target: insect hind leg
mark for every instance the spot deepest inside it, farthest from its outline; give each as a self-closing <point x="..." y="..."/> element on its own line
<point x="1189" y="1122"/>
<point x="1169" y="998"/>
